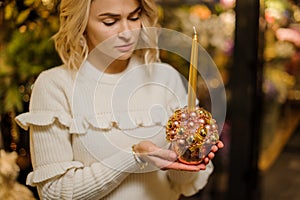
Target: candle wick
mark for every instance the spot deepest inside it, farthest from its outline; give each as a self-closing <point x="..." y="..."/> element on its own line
<point x="195" y="32"/>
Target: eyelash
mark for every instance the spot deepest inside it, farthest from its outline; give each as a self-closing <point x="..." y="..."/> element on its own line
<point x="112" y="23"/>
<point x="135" y="19"/>
<point x="109" y="24"/>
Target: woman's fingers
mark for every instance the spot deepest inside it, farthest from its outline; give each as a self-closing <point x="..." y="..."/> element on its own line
<point x="220" y="144"/>
<point x="217" y="146"/>
<point x="166" y="165"/>
<point x="147" y="149"/>
<point x="166" y="159"/>
<point x="211" y="155"/>
<point x="184" y="167"/>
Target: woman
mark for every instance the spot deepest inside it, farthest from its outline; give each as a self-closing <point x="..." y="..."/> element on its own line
<point x="97" y="122"/>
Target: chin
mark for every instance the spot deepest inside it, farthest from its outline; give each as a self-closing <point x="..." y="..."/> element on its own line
<point x="125" y="56"/>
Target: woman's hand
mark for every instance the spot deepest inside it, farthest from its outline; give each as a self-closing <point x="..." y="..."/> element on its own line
<point x="214" y="149"/>
<point x="166" y="159"/>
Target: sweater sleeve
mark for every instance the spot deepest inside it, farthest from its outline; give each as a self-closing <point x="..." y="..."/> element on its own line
<point x="56" y="174"/>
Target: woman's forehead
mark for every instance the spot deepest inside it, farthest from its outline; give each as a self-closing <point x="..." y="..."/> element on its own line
<point x="114" y="6"/>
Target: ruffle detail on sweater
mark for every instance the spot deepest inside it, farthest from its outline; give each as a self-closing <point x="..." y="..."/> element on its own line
<point x="42" y="118"/>
<point x="79" y="124"/>
<point x="46" y="172"/>
<point x="120" y="120"/>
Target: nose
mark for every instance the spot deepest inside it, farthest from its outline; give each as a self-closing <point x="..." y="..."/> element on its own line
<point x="125" y="31"/>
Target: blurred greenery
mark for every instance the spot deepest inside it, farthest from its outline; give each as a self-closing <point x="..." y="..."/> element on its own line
<point x="26" y="48"/>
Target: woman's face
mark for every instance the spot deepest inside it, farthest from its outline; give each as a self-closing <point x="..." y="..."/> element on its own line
<point x="116" y="25"/>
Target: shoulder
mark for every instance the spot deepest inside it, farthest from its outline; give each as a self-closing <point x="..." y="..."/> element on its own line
<point x="57" y="74"/>
<point x="56" y="77"/>
<point x="52" y="85"/>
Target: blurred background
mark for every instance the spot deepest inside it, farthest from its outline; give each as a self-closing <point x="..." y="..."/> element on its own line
<point x="256" y="47"/>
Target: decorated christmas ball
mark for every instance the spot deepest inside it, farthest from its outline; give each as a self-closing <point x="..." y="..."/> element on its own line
<point x="191" y="134"/>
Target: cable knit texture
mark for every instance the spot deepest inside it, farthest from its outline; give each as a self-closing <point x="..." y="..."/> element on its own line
<point x="82" y="126"/>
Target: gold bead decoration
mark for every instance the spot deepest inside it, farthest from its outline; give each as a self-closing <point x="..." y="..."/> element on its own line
<point x="191" y="133"/>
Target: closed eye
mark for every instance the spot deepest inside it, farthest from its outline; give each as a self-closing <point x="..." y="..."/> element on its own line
<point x="134" y="18"/>
<point x="110" y="23"/>
<point x="135" y="15"/>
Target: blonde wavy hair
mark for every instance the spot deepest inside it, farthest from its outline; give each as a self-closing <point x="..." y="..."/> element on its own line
<point x="70" y="41"/>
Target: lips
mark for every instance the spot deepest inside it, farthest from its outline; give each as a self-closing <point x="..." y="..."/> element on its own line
<point x="125" y="47"/>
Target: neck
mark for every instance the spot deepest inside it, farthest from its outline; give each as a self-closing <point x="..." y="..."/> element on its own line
<point x="117" y="66"/>
<point x="106" y="63"/>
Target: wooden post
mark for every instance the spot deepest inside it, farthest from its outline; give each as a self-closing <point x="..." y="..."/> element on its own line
<point x="244" y="109"/>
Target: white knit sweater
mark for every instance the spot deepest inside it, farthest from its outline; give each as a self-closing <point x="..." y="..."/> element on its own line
<point x="83" y="124"/>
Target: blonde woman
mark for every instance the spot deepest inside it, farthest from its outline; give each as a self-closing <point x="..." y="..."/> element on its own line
<point x="97" y="122"/>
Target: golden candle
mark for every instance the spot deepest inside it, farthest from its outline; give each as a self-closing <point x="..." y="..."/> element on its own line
<point x="191" y="129"/>
<point x="192" y="87"/>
